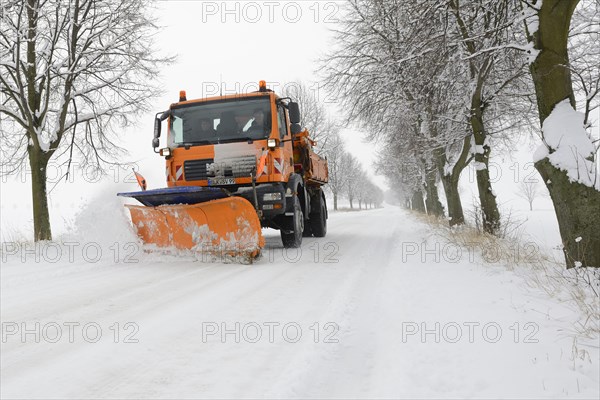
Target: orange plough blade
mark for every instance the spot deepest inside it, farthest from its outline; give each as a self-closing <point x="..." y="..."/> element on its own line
<point x="227" y="226"/>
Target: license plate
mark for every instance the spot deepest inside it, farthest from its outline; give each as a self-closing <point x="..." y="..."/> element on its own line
<point x="221" y="181"/>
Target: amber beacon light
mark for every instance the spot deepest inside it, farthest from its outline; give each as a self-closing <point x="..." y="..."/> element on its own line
<point x="262" y="86"/>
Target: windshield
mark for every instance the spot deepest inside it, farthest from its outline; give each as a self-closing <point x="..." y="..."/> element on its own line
<point x="222" y="121"/>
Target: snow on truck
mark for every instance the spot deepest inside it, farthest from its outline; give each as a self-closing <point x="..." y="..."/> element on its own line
<point x="234" y="164"/>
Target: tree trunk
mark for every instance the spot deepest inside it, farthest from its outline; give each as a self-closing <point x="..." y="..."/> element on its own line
<point x="38" y="159"/>
<point x="456" y="215"/>
<point x="417" y="202"/>
<point x="550" y="72"/>
<point x="489" y="206"/>
<point x="335" y="201"/>
<point x="577" y="210"/>
<point x="41" y="216"/>
<point x="455" y="210"/>
<point x="350" y="200"/>
<point x="577" y="206"/>
<point x="434" y="207"/>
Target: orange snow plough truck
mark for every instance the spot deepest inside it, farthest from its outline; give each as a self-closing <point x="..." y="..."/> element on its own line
<point x="234" y="164"/>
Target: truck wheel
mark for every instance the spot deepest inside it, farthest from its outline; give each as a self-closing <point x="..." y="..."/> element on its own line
<point x="293" y="238"/>
<point x="307" y="232"/>
<point x="318" y="222"/>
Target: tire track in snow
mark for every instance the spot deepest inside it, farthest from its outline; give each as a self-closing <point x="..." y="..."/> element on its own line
<point x="310" y="371"/>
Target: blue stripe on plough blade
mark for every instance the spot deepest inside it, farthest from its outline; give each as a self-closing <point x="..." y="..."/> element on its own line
<point x="177" y="195"/>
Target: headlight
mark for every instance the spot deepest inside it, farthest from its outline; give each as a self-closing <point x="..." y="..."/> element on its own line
<point x="271" y="143"/>
<point x="165" y="152"/>
<point x="271" y="196"/>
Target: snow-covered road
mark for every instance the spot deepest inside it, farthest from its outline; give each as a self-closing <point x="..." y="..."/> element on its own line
<point x="378" y="308"/>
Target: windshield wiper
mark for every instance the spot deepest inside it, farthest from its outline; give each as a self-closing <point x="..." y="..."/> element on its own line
<point x="238" y="139"/>
<point x="199" y="142"/>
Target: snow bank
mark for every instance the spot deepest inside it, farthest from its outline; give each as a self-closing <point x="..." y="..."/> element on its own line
<point x="568" y="146"/>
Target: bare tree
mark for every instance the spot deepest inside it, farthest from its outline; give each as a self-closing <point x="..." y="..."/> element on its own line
<point x="335" y="154"/>
<point x="404" y="173"/>
<point x="584" y="57"/>
<point x="361" y="187"/>
<point x="529" y="190"/>
<point x="352" y="169"/>
<point x="72" y="75"/>
<point x="314" y="115"/>
<point x="368" y="194"/>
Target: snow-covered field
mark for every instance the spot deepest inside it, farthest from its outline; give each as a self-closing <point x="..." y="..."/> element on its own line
<point x="379" y="308"/>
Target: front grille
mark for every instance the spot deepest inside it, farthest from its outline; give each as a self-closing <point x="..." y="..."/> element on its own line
<point x="234" y="167"/>
<point x="195" y="170"/>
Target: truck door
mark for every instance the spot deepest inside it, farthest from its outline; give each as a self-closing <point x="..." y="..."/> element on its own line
<point x="285" y="137"/>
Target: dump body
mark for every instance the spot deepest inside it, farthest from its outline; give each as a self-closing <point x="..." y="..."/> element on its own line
<point x="308" y="163"/>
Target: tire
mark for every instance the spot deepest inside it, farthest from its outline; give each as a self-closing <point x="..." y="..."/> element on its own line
<point x="318" y="222"/>
<point x="307" y="232"/>
<point x="293" y="238"/>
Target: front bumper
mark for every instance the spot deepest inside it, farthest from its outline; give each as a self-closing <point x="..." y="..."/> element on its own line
<point x="269" y="208"/>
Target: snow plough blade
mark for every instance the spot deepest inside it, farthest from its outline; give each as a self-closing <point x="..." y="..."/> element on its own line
<point x="227" y="226"/>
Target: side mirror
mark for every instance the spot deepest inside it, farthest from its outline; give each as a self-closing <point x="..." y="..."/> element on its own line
<point x="295" y="128"/>
<point x="157" y="127"/>
<point x="294" y="111"/>
<point x="158" y="119"/>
